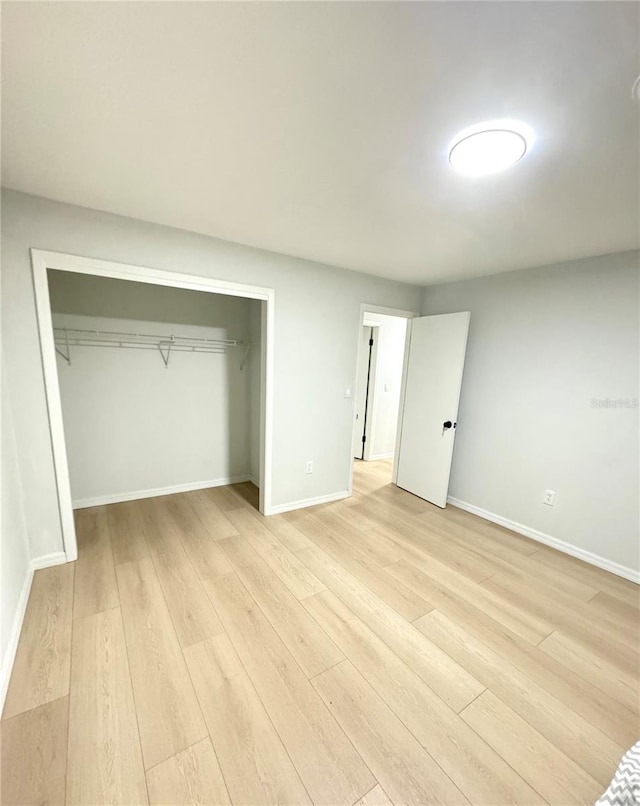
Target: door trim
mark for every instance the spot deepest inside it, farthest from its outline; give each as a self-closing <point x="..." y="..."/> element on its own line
<point x="41" y="262"/>
<point x="403" y="391"/>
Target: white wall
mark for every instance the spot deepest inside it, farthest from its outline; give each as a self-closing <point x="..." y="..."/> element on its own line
<point x="15" y="566"/>
<point x="132" y="425"/>
<point x="391" y="334"/>
<point x="542" y="344"/>
<point x="317" y="313"/>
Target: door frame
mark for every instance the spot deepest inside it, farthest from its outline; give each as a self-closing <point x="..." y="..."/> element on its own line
<point x="402" y="314"/>
<point x="41" y="262"/>
<point x="403" y="392"/>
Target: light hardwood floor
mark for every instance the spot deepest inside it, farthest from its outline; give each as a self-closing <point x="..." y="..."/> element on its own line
<point x="373" y="651"/>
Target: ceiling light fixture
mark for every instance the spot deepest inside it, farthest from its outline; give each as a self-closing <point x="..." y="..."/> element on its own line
<point x="490" y="147"/>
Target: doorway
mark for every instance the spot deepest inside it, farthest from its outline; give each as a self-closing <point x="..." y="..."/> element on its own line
<point x="381" y="349"/>
<point x="42" y="263"/>
<point x="424" y="419"/>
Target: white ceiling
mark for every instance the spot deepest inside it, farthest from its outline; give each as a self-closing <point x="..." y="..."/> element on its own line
<point x="321" y="129"/>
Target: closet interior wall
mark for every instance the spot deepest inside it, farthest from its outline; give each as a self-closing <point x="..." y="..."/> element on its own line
<point x="135" y="427"/>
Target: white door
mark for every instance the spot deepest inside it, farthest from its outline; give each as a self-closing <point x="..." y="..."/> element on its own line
<point x="429" y="415"/>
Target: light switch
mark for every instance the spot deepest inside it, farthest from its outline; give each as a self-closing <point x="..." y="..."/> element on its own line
<point x="347" y="391"/>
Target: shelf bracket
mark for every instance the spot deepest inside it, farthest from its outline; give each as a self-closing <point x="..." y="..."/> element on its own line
<point x="165" y="356"/>
<point x="245" y="354"/>
<point x="67" y="355"/>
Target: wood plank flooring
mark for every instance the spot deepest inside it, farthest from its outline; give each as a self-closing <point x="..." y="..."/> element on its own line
<point x="368" y="652"/>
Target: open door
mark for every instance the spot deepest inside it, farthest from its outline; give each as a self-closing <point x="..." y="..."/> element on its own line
<point x="428" y="417"/>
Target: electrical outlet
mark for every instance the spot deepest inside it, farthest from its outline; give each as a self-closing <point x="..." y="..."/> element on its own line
<point x="308" y="468"/>
<point x="549" y="497"/>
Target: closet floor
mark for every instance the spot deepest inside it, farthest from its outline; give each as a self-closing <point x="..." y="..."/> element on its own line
<point x="376" y="650"/>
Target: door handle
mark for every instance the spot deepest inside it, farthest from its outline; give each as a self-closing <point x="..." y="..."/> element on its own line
<point x="446" y="425"/>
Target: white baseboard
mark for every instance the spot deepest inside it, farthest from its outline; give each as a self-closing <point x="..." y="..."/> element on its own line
<point x="14" y="634"/>
<point x="47" y="560"/>
<point x="567" y="548"/>
<point x="376" y="456"/>
<point x="118" y="498"/>
<point x="307" y="502"/>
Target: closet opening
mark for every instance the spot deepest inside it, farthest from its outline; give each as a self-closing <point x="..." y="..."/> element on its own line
<point x="154" y="388"/>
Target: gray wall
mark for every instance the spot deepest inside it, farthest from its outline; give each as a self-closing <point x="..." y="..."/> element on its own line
<point x="317" y="313"/>
<point x="132" y="425"/>
<point x="543" y="343"/>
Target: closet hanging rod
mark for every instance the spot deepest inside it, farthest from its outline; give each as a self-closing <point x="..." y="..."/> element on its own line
<point x="165" y="344"/>
<point x="116" y="335"/>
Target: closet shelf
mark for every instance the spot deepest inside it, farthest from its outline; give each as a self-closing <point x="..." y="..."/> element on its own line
<point x="66" y="338"/>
